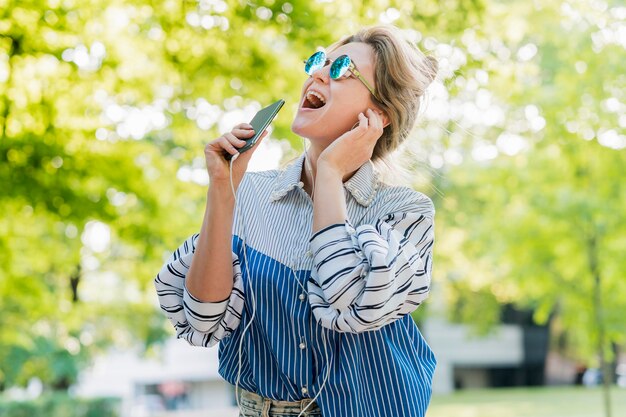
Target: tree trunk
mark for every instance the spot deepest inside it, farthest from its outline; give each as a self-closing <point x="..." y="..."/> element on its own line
<point x="15" y="48"/>
<point x="74" y="281"/>
<point x="607" y="374"/>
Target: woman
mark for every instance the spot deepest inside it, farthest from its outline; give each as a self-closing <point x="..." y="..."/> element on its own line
<point x="307" y="287"/>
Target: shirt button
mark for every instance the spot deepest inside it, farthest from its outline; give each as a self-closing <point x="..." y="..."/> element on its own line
<point x="304" y="390"/>
<point x="301" y="297"/>
<point x="302" y="345"/>
<point x="309" y="254"/>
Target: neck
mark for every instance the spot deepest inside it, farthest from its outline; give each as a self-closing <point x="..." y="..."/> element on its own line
<point x="308" y="177"/>
<point x="309" y="169"/>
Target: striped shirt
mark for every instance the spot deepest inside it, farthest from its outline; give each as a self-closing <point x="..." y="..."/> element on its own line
<point x="353" y="282"/>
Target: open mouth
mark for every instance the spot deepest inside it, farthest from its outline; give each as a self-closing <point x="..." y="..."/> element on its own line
<point x="313" y="100"/>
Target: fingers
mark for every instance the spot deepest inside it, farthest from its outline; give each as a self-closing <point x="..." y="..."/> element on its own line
<point x="364" y="123"/>
<point x="258" y="142"/>
<point x="228" y="141"/>
<point x="370" y="124"/>
<point x="245" y="157"/>
<point x="376" y="121"/>
<point x="244" y="133"/>
<point x="243" y="126"/>
<point x="226" y="145"/>
<point x="236" y="138"/>
<point x="260" y="138"/>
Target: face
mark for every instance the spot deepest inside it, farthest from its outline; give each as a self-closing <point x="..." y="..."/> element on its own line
<point x="344" y="98"/>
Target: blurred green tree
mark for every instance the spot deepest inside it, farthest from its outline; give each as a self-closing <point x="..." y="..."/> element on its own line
<point x="534" y="214"/>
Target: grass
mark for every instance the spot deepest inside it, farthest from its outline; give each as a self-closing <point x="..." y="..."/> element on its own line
<point x="527" y="402"/>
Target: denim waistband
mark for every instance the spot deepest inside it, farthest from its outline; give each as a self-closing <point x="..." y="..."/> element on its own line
<point x="268" y="407"/>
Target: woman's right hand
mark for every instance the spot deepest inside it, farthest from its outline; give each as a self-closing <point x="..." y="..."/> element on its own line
<point x="217" y="165"/>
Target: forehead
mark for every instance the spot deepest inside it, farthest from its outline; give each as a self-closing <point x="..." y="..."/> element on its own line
<point x="359" y="52"/>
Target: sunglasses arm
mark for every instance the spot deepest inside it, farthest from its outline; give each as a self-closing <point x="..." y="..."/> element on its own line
<point x="362" y="78"/>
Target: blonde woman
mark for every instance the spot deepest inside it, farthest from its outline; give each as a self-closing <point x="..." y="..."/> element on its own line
<point x="306" y="275"/>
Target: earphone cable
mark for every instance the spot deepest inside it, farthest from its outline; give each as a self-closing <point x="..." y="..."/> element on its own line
<point x="232" y="187"/>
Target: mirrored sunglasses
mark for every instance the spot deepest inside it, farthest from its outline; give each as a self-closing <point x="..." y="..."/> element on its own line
<point x="338" y="68"/>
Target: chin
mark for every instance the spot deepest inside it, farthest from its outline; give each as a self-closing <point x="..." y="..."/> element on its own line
<point x="305" y="128"/>
<point x="316" y="129"/>
<point x="311" y="132"/>
<point x="297" y="126"/>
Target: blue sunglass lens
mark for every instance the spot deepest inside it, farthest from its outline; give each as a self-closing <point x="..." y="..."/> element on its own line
<point x="339" y="66"/>
<point x="315" y="62"/>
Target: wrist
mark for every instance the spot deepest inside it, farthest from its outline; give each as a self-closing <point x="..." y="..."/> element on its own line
<point x="328" y="169"/>
<point x="221" y="192"/>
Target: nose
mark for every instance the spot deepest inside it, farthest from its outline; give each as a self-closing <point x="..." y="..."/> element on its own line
<point x="322" y="75"/>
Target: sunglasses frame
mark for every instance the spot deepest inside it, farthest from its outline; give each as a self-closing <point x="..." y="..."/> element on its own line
<point x="351" y="67"/>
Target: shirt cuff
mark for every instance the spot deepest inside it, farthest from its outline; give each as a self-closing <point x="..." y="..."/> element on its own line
<point x="204" y="308"/>
<point x="330" y="233"/>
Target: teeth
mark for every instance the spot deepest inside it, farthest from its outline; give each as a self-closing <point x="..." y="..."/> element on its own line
<point x="316" y="94"/>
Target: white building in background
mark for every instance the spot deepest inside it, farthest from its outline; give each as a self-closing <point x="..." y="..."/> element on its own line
<point x="142" y="382"/>
<point x="463" y="359"/>
<point x="513" y="353"/>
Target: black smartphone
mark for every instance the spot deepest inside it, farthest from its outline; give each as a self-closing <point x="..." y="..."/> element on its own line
<point x="259" y="123"/>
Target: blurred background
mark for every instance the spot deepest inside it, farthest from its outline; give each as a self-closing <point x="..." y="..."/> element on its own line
<point x="105" y="108"/>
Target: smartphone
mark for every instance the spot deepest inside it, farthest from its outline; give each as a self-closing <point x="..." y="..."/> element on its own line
<point x="259" y="123"/>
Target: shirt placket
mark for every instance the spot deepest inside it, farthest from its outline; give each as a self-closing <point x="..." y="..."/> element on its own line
<point x="302" y="259"/>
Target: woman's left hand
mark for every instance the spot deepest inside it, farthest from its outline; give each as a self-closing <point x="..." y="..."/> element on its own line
<point x="352" y="149"/>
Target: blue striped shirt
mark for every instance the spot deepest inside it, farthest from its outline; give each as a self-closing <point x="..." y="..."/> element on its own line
<point x="355" y="281"/>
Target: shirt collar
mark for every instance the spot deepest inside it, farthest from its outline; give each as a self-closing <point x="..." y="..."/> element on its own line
<point x="362" y="185"/>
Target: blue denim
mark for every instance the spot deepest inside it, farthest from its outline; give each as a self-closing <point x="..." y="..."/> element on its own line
<point x="254" y="405"/>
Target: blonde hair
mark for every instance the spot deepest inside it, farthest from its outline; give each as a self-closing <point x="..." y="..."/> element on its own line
<point x="401" y="75"/>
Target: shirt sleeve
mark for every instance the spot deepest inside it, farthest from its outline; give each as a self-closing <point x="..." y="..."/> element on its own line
<point x="200" y="323"/>
<point x="367" y="277"/>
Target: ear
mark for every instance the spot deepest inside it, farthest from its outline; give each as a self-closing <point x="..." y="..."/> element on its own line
<point x="385" y="118"/>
